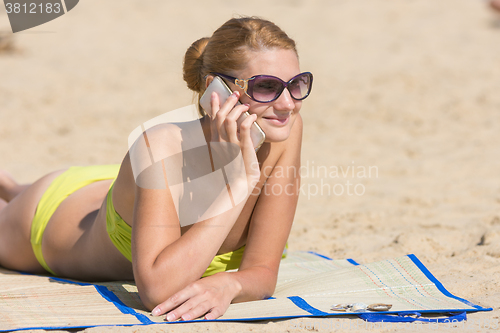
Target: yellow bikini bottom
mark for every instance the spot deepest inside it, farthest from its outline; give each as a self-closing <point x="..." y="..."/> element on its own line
<point x="119" y="231"/>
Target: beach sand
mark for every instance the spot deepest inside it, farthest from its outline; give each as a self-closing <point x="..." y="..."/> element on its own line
<point x="406" y="95"/>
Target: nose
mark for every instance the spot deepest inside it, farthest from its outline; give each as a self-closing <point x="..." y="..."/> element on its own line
<point x="285" y="102"/>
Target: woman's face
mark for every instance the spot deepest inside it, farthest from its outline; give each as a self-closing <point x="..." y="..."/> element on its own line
<point x="277" y="117"/>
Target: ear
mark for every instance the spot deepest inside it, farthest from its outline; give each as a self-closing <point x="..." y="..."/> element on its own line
<point x="209" y="78"/>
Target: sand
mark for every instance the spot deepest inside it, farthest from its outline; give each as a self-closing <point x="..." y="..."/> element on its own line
<point x="405" y="94"/>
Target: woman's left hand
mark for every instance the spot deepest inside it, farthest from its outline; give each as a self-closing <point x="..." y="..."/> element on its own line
<point x="209" y="296"/>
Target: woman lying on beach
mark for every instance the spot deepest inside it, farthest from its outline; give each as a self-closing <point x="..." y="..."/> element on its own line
<point x="95" y="223"/>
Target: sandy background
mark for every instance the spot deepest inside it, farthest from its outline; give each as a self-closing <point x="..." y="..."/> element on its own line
<point x="408" y="88"/>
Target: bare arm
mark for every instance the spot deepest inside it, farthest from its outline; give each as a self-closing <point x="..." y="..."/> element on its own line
<point x="271" y="223"/>
<point x="269" y="229"/>
<point x="163" y="261"/>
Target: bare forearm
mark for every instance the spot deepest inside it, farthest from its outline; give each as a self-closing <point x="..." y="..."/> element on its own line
<point x="254" y="283"/>
<point x="188" y="257"/>
<point x="183" y="261"/>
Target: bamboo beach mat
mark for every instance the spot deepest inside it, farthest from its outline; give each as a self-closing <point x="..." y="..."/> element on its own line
<point x="308" y="285"/>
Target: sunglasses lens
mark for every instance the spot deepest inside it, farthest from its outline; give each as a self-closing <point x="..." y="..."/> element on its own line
<point x="300" y="86"/>
<point x="265" y="89"/>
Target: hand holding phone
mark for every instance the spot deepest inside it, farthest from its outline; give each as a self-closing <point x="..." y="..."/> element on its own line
<point x="218" y="86"/>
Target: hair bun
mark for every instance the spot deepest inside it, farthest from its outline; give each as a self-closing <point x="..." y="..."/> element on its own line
<point x="193" y="64"/>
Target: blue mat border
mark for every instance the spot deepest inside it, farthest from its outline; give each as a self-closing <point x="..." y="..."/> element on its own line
<point x="301" y="303"/>
<point x="105" y="293"/>
<point x="440" y="286"/>
<point x="110" y="296"/>
<point x="328" y="258"/>
<point x="297" y="300"/>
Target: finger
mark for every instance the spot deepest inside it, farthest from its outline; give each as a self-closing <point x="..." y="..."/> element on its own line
<point x="248" y="151"/>
<point x="230" y="102"/>
<point x="225" y="109"/>
<point x="231" y="122"/>
<point x="214" y="313"/>
<point x="245" y="131"/>
<point x="192" y="308"/>
<point x="196" y="311"/>
<point x="173" y="301"/>
<point x="180" y="311"/>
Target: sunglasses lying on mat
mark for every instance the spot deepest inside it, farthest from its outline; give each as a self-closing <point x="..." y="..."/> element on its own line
<point x="267" y="88"/>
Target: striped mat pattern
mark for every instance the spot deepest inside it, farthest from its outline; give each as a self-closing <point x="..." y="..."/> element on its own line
<point x="308" y="285"/>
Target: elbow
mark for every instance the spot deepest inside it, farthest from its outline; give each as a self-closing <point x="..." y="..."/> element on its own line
<point x="149" y="299"/>
<point x="268" y="291"/>
<point x="269" y="286"/>
<point x="152" y="291"/>
<point x="155" y="288"/>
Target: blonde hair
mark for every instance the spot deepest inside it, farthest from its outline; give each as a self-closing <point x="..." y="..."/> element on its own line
<point x="227" y="49"/>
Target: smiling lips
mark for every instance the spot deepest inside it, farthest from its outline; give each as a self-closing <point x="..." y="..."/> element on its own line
<point x="278" y="120"/>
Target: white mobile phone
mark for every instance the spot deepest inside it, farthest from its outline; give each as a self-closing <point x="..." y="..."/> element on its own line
<point x="256" y="133"/>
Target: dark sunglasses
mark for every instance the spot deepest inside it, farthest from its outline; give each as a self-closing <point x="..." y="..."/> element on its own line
<point x="267" y="88"/>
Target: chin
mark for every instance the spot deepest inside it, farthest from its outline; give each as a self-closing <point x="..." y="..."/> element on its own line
<point x="276" y="135"/>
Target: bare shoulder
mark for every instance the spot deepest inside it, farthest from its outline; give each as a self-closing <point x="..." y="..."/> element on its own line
<point x="145" y="147"/>
<point x="152" y="152"/>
